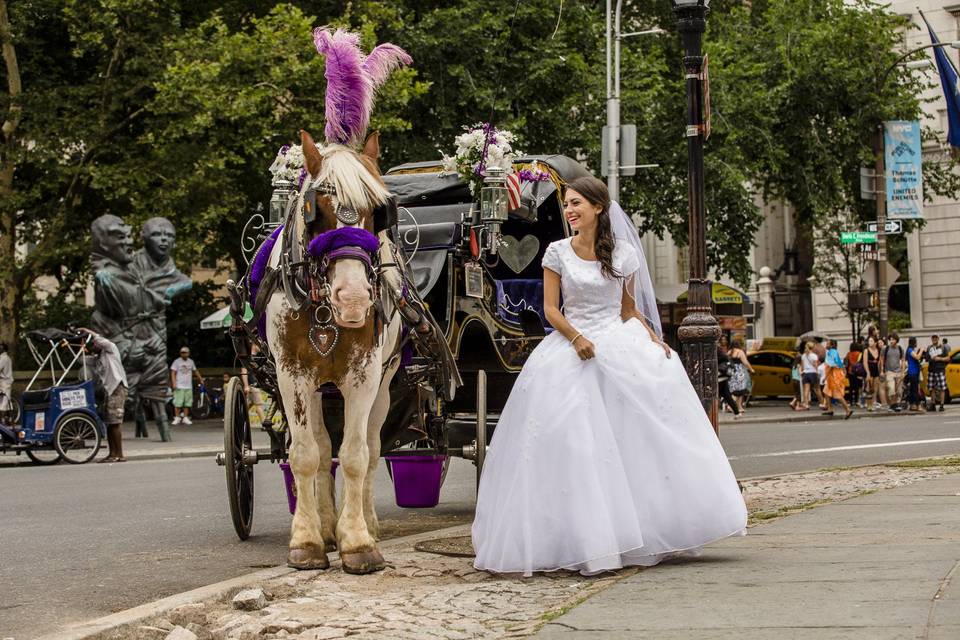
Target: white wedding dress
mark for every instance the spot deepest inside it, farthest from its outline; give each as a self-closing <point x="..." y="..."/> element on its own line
<point x="600" y="464"/>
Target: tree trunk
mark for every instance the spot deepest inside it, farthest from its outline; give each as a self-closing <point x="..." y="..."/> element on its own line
<point x="11" y="281"/>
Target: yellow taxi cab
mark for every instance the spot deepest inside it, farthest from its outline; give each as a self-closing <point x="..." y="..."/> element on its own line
<point x="772" y="369"/>
<point x="953" y="377"/>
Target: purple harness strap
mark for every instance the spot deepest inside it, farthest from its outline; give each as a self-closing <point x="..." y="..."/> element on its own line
<point x="331" y="244"/>
<point x="349" y="252"/>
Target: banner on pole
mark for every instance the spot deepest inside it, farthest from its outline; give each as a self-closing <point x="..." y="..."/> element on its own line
<point x="903" y="157"/>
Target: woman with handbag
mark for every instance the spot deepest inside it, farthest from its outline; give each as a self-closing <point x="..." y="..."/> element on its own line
<point x="723" y="382"/>
<point x="740" y="372"/>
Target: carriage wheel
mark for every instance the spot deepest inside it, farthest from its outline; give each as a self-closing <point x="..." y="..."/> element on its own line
<point x="237" y="440"/>
<point x="481" y="422"/>
<point x="77" y="438"/>
<point x="43" y="455"/>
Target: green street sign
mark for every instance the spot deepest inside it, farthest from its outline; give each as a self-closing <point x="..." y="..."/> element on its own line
<point x="862" y="237"/>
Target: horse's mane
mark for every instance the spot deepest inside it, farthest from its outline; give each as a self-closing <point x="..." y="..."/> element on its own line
<point x="356" y="186"/>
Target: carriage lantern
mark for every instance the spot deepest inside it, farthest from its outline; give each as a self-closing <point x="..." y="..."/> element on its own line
<point x="282" y="191"/>
<point x="494" y="204"/>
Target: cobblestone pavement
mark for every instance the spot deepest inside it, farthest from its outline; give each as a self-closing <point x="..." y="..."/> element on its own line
<point x="427" y="596"/>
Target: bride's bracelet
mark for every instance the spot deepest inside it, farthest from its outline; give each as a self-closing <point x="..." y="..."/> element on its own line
<point x="574" y="341"/>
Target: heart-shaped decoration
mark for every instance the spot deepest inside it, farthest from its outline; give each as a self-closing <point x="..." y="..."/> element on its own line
<point x="324" y="338"/>
<point x="517" y="254"/>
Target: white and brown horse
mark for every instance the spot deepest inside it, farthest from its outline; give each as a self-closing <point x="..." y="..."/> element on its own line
<point x="343" y="180"/>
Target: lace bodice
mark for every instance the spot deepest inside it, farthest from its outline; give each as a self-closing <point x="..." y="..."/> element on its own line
<point x="590" y="301"/>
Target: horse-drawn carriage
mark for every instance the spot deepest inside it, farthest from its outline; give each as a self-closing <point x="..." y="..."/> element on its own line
<point x="487" y="306"/>
<point x="370" y="294"/>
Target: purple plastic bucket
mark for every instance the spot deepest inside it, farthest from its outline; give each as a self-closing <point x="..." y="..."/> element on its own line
<point x="290" y="484"/>
<point x="416" y="480"/>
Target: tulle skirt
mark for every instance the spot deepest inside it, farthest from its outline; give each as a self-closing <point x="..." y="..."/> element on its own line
<point x="602" y="464"/>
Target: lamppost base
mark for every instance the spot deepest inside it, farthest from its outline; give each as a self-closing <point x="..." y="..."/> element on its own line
<point x="698" y="335"/>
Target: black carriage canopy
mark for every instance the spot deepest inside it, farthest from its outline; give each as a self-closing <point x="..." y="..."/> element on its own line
<point x="432" y="203"/>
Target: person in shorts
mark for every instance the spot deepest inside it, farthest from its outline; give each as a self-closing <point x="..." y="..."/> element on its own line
<point x="182" y="373"/>
<point x="894" y="366"/>
<point x="110" y="373"/>
<point x="938" y="354"/>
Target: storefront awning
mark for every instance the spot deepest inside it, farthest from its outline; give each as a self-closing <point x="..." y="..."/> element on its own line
<point x="221" y="318"/>
<point x="722" y="294"/>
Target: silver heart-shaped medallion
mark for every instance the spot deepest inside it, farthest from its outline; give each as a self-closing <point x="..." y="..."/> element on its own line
<point x="518" y="254"/>
<point x="324" y="338"/>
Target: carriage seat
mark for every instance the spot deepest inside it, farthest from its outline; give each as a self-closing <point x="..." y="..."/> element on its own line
<point x="517" y="298"/>
<point x="38" y="398"/>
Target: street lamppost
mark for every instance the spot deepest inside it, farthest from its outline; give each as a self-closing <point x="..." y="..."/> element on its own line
<point x="883" y="302"/>
<point x="699" y="330"/>
<point x="614" y="36"/>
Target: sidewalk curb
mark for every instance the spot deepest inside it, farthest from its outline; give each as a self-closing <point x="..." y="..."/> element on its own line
<point x="25" y="462"/>
<point x="90" y="628"/>
<point x="816" y="417"/>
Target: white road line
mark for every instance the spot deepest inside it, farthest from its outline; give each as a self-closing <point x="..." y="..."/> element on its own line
<point x="877" y="445"/>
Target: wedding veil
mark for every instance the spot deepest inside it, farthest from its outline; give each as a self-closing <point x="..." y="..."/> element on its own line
<point x="638" y="284"/>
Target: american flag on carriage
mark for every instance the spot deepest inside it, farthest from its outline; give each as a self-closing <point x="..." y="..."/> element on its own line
<point x="513" y="190"/>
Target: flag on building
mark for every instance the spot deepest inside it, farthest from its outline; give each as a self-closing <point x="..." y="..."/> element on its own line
<point x="513" y="190"/>
<point x="949" y="81"/>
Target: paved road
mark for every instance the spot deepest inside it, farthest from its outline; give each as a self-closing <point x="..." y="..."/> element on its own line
<point x="79" y="542"/>
<point x="776" y="448"/>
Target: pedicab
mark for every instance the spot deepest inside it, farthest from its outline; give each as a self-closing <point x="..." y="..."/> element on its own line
<point x="473" y="271"/>
<point x="59" y="422"/>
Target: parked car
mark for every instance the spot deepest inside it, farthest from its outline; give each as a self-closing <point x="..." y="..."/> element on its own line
<point x="772" y="372"/>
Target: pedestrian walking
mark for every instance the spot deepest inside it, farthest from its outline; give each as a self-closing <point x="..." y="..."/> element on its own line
<point x="872" y="380"/>
<point x="894" y="366"/>
<point x="740" y="371"/>
<point x="914" y="356"/>
<point x="111" y="374"/>
<point x="6" y="384"/>
<point x="723" y="382"/>
<point x="938" y="355"/>
<point x="836" y="381"/>
<point x="182" y="373"/>
<point x="623" y="467"/>
<point x="811" y="379"/>
<point x="856" y="373"/>
<point x="796" y="379"/>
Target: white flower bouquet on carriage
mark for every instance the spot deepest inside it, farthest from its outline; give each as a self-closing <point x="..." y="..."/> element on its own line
<point x="289" y="164"/>
<point x="481" y="145"/>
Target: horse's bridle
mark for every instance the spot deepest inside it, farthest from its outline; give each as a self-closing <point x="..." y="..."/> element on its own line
<point x="305" y="278"/>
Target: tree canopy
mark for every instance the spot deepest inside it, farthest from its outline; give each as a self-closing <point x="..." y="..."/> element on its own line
<point x="174" y="108"/>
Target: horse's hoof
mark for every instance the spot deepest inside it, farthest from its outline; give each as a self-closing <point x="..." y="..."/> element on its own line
<point x="363" y="561"/>
<point x="330" y="547"/>
<point x="308" y="558"/>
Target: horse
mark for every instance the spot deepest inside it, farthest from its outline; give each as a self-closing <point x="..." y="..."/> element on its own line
<point x="347" y="335"/>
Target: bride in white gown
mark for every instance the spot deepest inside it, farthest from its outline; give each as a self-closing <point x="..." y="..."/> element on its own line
<point x="603" y="456"/>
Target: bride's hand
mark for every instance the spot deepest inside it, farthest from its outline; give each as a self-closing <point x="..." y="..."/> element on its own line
<point x="666" y="349"/>
<point x="584" y="348"/>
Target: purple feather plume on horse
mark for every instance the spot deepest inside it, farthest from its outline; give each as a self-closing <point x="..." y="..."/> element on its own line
<point x="352" y="81"/>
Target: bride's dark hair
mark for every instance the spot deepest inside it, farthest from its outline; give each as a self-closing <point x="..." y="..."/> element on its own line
<point x="596" y="193"/>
